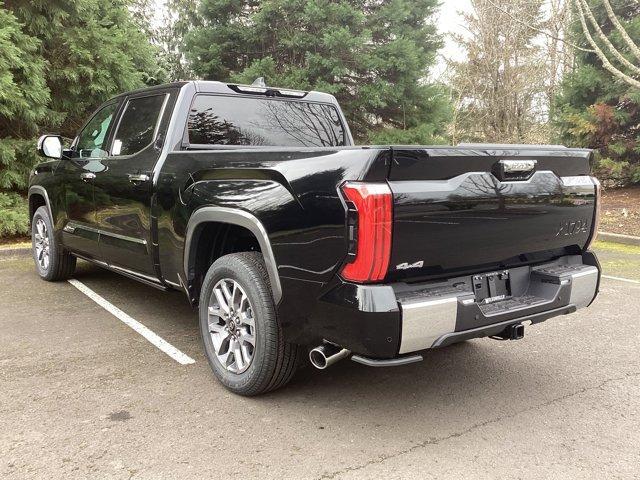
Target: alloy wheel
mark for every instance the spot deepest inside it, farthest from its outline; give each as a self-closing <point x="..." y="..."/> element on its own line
<point x="231" y="326"/>
<point x="41" y="244"/>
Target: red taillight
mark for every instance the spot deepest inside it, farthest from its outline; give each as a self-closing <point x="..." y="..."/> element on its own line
<point x="373" y="205"/>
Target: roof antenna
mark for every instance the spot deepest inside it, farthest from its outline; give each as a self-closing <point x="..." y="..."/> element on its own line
<point x="259" y="82"/>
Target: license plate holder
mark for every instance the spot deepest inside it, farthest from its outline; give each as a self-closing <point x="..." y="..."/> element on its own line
<point x="492" y="287"/>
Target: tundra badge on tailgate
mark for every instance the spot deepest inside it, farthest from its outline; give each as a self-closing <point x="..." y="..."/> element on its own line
<point x="518" y="166"/>
<point x="572" y="227"/>
<point x="514" y="170"/>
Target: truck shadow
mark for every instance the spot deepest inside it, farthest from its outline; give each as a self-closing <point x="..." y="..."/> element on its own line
<point x="135" y="298"/>
<point x="458" y="386"/>
<point x="470" y="380"/>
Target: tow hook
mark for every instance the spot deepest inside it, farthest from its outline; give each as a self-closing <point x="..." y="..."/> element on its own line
<point x="512" y="332"/>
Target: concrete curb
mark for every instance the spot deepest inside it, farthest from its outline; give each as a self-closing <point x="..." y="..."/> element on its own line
<point x="12" y="252"/>
<point x="618" y="238"/>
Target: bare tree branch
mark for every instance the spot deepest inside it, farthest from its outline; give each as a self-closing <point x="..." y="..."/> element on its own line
<point x="499" y="89"/>
<point x="621" y="58"/>
<point x="539" y="30"/>
<point x="559" y="55"/>
<point x="612" y="16"/>
<point x="603" y="58"/>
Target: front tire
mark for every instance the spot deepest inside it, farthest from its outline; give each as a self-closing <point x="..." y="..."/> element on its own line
<point x="52" y="261"/>
<point x="242" y="338"/>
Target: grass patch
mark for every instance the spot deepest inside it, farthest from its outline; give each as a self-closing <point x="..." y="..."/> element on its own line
<point x="617" y="247"/>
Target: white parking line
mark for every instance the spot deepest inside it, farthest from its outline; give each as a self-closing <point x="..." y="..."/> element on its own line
<point x="621" y="279"/>
<point x="155" y="339"/>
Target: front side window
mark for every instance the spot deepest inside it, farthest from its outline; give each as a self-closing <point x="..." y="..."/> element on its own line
<point x="218" y="120"/>
<point x="91" y="140"/>
<point x="138" y="124"/>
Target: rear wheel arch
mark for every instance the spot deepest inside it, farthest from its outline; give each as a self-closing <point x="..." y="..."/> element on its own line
<point x="216" y="231"/>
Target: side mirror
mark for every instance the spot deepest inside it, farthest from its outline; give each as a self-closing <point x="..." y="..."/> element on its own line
<point x="50" y="146"/>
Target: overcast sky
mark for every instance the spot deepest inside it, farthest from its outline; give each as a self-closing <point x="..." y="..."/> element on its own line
<point x="450" y="22"/>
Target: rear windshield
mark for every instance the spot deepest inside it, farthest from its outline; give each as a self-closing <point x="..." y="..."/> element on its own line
<point x="219" y="120"/>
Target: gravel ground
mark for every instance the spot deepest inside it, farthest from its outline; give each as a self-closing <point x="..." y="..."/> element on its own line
<point x="84" y="396"/>
<point x="621" y="211"/>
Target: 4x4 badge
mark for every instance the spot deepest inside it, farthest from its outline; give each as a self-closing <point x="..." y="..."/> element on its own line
<point x="405" y="265"/>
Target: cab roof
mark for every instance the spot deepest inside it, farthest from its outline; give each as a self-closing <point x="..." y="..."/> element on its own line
<point x="211" y="86"/>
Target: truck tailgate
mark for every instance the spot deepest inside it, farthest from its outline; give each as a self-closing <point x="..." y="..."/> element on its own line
<point x="472" y="209"/>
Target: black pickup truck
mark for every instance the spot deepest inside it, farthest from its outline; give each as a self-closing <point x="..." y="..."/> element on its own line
<point x="293" y="241"/>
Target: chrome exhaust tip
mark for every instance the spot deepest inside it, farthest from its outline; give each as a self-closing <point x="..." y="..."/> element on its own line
<point x="326" y="355"/>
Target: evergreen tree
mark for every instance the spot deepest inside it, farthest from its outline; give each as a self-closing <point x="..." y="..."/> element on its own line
<point x="58" y="61"/>
<point x="23" y="104"/>
<point x="165" y="28"/>
<point x="597" y="110"/>
<point x="94" y="49"/>
<point x="180" y="17"/>
<point x="373" y="56"/>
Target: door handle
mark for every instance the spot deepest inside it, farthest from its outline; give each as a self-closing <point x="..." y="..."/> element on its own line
<point x="87" y="176"/>
<point x="138" y="177"/>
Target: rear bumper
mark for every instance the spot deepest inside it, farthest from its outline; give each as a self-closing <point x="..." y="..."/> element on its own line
<point x="433" y="315"/>
<point x="451" y="313"/>
<point x="497" y="328"/>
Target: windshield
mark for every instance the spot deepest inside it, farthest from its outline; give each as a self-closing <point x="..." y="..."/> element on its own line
<point x="220" y="120"/>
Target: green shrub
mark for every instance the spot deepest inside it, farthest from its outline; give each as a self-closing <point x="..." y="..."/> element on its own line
<point x="14" y="215"/>
<point x="615" y="173"/>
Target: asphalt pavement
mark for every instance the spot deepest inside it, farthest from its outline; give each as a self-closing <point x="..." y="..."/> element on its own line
<point x="85" y="396"/>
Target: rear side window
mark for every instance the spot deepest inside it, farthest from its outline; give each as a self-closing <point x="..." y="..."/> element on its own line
<point x="218" y="120"/>
<point x="138" y="124"/>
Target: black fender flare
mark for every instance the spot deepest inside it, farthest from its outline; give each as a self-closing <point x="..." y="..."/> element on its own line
<point x="241" y="218"/>
<point x="37" y="189"/>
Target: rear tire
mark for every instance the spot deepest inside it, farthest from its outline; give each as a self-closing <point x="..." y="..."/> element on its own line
<point x="242" y="337"/>
<point x="52" y="261"/>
